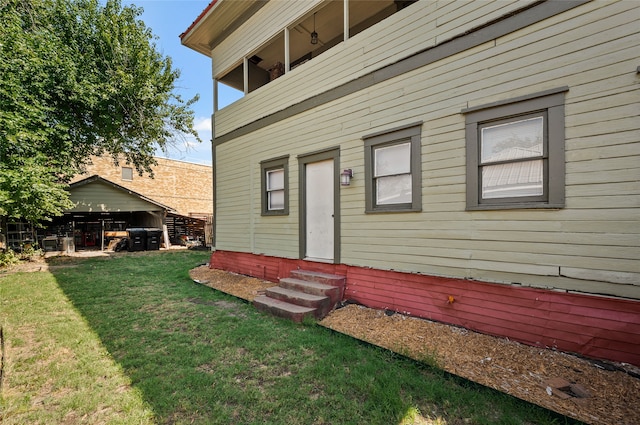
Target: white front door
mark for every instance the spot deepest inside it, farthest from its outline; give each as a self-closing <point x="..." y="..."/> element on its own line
<point x="319" y="210"/>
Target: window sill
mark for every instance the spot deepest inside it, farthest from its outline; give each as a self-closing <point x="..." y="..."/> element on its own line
<point x="392" y="210"/>
<point x="514" y="206"/>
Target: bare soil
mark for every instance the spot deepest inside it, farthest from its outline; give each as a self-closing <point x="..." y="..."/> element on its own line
<point x="58" y="259"/>
<point x="590" y="391"/>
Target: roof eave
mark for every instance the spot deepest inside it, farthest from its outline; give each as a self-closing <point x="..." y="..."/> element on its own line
<point x="185" y="36"/>
<point x="197" y="22"/>
<point x="217" y="21"/>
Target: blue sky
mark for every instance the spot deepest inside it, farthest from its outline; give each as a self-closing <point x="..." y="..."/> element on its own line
<point x="168" y="19"/>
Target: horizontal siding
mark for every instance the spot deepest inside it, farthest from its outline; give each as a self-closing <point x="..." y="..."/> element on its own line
<point x="239" y="204"/>
<point x="599" y="230"/>
<point x="402" y="34"/>
<point x="97" y="197"/>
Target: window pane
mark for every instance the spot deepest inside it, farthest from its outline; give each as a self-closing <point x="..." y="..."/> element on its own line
<point x="393" y="190"/>
<point x="275" y="179"/>
<point x="392" y="160"/>
<point x="515" y="179"/>
<point x="276" y="200"/>
<point x="127" y="173"/>
<point x="514" y="140"/>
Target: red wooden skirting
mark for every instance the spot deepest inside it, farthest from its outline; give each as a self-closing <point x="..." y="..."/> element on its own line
<point x="594" y="326"/>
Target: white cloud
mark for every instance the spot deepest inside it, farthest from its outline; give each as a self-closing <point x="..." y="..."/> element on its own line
<point x="202" y="125"/>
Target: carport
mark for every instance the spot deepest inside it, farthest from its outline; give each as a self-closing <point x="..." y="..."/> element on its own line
<point x="102" y="211"/>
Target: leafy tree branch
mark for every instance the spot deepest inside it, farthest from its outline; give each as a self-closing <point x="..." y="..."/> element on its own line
<point x="77" y="79"/>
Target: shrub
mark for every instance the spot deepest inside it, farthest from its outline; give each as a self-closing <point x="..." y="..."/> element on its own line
<point x="29" y="251"/>
<point x="8" y="258"/>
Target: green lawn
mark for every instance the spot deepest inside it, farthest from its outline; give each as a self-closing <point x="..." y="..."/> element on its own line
<point x="131" y="339"/>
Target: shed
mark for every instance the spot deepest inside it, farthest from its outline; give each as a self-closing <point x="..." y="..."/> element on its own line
<point x="103" y="210"/>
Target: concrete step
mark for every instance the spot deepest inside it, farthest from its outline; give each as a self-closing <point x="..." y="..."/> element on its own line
<point x="282" y="308"/>
<point x="296" y="297"/>
<point x="325" y="278"/>
<point x="314" y="288"/>
<point x="303" y="294"/>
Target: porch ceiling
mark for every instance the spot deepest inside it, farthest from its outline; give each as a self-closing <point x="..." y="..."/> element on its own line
<point x="222" y="17"/>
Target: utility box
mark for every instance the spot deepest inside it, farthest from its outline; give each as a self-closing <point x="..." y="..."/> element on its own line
<point x="154" y="236"/>
<point x="137" y="239"/>
<point x="50" y="243"/>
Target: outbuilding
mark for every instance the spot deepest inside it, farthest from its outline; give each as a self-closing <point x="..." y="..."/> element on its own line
<point x="103" y="211"/>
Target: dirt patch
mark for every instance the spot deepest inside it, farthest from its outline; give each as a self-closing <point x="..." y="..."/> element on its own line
<point x="37" y="264"/>
<point x="593" y="392"/>
<point x="240" y="286"/>
<point x="49" y="261"/>
<point x="58" y="259"/>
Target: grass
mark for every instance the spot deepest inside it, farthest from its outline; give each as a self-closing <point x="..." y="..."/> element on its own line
<point x="131" y="339"/>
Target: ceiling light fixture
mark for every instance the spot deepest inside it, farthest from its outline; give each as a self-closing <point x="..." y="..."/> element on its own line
<point x="314" y="34"/>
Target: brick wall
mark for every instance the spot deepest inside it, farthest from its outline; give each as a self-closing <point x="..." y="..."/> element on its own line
<point x="184" y="186"/>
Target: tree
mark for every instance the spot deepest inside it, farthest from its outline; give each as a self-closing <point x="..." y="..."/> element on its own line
<point x="78" y="78"/>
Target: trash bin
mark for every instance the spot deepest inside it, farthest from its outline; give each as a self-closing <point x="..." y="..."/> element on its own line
<point x="137" y="239"/>
<point x="154" y="236"/>
<point x="68" y="244"/>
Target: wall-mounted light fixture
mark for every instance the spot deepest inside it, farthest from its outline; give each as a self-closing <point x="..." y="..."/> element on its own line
<point x="346" y="176"/>
<point x="314" y="34"/>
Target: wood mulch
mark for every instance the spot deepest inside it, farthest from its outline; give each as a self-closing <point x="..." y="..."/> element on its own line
<point x="590" y="391"/>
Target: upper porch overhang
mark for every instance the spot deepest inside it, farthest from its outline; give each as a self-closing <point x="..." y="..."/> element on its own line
<point x="283" y="45"/>
<point x="216" y="21"/>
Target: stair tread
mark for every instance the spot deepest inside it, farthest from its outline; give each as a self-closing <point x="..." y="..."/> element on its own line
<point x="297" y="294"/>
<point x="318" y="274"/>
<point x="307" y="283"/>
<point x="283" y="305"/>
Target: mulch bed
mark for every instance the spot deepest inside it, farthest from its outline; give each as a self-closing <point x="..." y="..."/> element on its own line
<point x="590" y="391"/>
